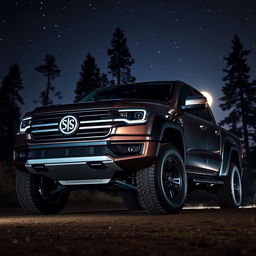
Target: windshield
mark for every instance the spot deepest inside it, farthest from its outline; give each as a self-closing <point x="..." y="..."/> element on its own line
<point x="156" y="91"/>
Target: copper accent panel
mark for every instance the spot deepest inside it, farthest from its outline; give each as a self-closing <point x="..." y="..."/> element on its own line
<point x="133" y="130"/>
<point x="140" y="161"/>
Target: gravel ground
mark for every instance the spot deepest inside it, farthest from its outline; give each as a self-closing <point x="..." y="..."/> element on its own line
<point x="111" y="230"/>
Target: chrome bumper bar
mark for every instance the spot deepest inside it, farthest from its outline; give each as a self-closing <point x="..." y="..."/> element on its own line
<point x="68" y="161"/>
<point x="75" y="170"/>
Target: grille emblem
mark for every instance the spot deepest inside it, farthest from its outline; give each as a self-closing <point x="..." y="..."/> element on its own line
<point x="68" y="125"/>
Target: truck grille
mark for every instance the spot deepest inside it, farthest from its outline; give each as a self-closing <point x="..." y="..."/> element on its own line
<point x="92" y="124"/>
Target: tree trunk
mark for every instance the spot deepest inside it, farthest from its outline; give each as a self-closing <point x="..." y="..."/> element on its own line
<point x="248" y="180"/>
<point x="244" y="122"/>
<point x="118" y="75"/>
<point x="119" y="69"/>
<point x="47" y="90"/>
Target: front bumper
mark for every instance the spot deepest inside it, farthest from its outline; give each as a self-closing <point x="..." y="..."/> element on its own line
<point x="75" y="170"/>
<point x="84" y="163"/>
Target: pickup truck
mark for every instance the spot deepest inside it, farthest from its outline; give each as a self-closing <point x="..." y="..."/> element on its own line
<point x="154" y="142"/>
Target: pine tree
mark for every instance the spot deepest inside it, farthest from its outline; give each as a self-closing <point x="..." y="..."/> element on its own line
<point x="104" y="81"/>
<point x="239" y="95"/>
<point x="50" y="70"/>
<point x="90" y="78"/>
<point x="10" y="99"/>
<point x="120" y="58"/>
<point x="239" y="100"/>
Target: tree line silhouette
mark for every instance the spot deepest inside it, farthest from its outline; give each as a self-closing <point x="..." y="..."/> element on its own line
<point x="119" y="67"/>
<point x="238" y="100"/>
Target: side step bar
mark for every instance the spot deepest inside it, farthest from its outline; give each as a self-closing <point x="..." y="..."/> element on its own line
<point x="208" y="181"/>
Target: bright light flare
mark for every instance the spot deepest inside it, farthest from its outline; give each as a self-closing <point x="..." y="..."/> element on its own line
<point x="208" y="96"/>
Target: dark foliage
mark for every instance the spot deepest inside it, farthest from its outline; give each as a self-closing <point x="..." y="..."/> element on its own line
<point x="104" y="81"/>
<point x="239" y="99"/>
<point x="239" y="95"/>
<point x="90" y="78"/>
<point x="50" y="70"/>
<point x="10" y="100"/>
<point x="120" y="59"/>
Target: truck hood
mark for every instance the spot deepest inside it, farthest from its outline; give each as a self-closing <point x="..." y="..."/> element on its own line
<point x="119" y="103"/>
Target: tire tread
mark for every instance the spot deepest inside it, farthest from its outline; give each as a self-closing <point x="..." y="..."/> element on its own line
<point x="148" y="191"/>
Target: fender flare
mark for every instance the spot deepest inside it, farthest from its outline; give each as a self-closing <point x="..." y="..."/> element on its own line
<point x="228" y="148"/>
<point x="159" y="128"/>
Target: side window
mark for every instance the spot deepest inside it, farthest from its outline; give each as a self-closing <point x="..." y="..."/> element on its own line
<point x="203" y="113"/>
<point x="195" y="92"/>
<point x="184" y="93"/>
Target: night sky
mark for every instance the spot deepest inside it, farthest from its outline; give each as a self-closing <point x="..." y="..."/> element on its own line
<point x="169" y="40"/>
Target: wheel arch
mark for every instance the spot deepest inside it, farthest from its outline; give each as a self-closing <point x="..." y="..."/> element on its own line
<point x="173" y="134"/>
<point x="230" y="154"/>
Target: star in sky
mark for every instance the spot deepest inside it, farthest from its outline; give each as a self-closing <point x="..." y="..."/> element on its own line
<point x="166" y="38"/>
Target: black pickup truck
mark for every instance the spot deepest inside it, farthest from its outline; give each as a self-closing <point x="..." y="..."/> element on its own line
<point x="155" y="142"/>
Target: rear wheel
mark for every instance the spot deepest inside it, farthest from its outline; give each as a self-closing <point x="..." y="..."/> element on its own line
<point x="230" y="193"/>
<point x="163" y="186"/>
<point x="39" y="195"/>
<point x="132" y="201"/>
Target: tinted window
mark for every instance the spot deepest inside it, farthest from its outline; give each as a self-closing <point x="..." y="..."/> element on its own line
<point x="195" y="92"/>
<point x="185" y="92"/>
<point x="160" y="92"/>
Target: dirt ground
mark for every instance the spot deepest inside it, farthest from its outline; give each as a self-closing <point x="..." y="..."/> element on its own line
<point x="110" y="230"/>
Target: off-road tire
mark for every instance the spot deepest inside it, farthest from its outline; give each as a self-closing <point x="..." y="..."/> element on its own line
<point x="150" y="185"/>
<point x="228" y="193"/>
<point x="30" y="199"/>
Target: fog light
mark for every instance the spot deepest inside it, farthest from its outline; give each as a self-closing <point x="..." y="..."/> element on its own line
<point x="138" y="115"/>
<point x="21" y="155"/>
<point x="132" y="149"/>
<point x="126" y="150"/>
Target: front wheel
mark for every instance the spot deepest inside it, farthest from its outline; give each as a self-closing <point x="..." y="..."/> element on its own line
<point x="39" y="195"/>
<point x="163" y="186"/>
<point x="230" y="193"/>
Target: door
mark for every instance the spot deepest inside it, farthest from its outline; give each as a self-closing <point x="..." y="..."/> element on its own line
<point x="195" y="135"/>
<point x="212" y="134"/>
<point x="213" y="145"/>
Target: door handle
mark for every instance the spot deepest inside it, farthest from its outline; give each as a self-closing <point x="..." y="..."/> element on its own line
<point x="203" y="127"/>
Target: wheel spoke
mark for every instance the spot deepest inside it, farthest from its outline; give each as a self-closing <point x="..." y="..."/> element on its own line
<point x="172" y="179"/>
<point x="236" y="187"/>
<point x="176" y="181"/>
<point x="172" y="194"/>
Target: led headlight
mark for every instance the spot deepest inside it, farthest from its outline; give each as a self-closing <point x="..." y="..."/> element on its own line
<point x="25" y="124"/>
<point x="131" y="116"/>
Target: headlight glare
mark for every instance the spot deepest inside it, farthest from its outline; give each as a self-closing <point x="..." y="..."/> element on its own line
<point x="131" y="116"/>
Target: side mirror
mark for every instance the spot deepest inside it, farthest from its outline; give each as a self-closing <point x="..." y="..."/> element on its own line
<point x="193" y="102"/>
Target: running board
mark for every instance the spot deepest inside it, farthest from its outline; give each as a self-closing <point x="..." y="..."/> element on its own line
<point x="84" y="182"/>
<point x="208" y="181"/>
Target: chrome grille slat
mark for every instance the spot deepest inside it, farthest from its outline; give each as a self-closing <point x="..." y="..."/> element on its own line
<point x="94" y="127"/>
<point x="45" y="130"/>
<point x="95" y="123"/>
<point x="44" y="125"/>
<point x="82" y="116"/>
